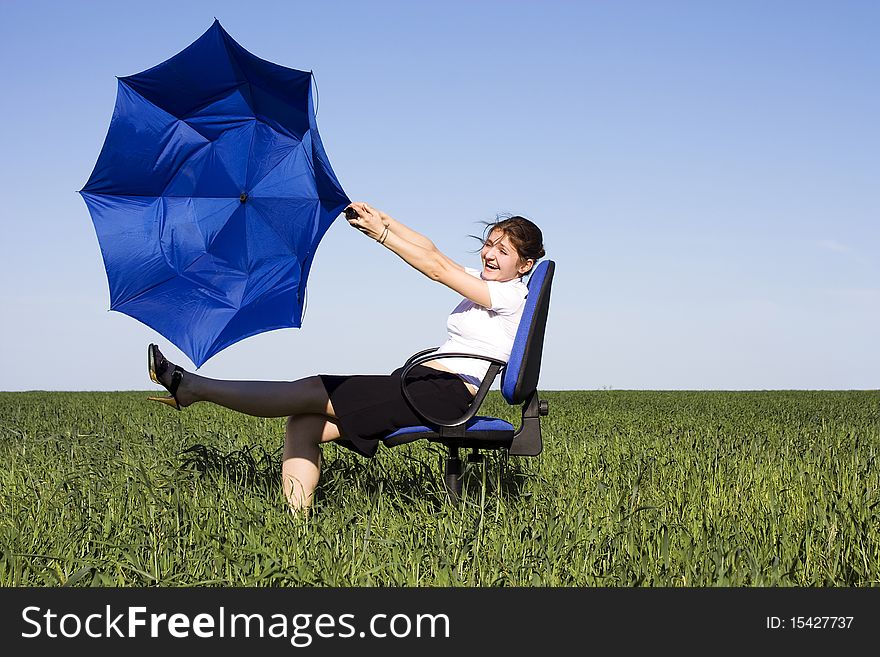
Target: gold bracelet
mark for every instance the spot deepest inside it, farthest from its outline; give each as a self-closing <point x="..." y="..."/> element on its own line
<point x="381" y="240"/>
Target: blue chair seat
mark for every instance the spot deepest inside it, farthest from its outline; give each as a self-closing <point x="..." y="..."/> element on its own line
<point x="478" y="423"/>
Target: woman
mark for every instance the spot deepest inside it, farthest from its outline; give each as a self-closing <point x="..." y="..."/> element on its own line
<point x="364" y="409"/>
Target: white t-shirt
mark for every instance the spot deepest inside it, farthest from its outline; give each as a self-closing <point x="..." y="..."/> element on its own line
<point x="474" y="329"/>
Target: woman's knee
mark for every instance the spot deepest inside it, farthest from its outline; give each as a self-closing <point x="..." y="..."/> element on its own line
<point x="311" y="389"/>
<point x="310" y="428"/>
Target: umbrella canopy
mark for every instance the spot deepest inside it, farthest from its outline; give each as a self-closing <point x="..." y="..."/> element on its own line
<point x="211" y="194"/>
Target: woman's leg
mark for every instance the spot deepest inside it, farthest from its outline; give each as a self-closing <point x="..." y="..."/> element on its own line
<point x="301" y="461"/>
<point x="260" y="398"/>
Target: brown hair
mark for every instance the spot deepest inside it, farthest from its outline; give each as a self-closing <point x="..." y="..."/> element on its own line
<point x="523" y="234"/>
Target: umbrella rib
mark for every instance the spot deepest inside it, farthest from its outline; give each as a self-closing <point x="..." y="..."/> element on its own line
<point x="156" y="197"/>
<point x="150" y="196"/>
<point x="145" y="290"/>
<point x="281" y="237"/>
<point x="173" y="176"/>
<point x="216" y="297"/>
<point x="247" y="171"/>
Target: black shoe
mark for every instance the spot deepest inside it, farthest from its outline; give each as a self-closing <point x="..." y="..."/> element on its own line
<point x="158" y="365"/>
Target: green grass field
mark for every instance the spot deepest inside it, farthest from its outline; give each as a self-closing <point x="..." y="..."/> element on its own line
<point x="672" y="489"/>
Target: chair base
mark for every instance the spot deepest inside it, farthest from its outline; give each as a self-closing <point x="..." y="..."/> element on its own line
<point x="455" y="473"/>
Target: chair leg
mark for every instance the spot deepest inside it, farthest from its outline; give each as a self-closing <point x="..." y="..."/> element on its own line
<point x="453" y="475"/>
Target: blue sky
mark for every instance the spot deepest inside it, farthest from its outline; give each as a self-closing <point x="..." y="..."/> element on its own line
<point x="706" y="175"/>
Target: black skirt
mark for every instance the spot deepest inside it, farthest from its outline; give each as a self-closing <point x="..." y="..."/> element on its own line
<point x="371" y="407"/>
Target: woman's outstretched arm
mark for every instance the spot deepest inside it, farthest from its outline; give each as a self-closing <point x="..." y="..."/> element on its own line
<point x="405" y="232"/>
<point x="418" y="251"/>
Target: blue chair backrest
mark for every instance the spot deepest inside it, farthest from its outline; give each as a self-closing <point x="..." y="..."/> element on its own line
<point x="520" y="377"/>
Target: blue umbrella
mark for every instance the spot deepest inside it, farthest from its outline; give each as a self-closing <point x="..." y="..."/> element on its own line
<point x="211" y="194"/>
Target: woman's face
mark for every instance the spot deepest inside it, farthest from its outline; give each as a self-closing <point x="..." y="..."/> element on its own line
<point x="501" y="261"/>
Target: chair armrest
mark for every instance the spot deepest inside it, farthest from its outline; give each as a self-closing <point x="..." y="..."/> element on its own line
<point x="495" y="366"/>
<point x="419" y="354"/>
